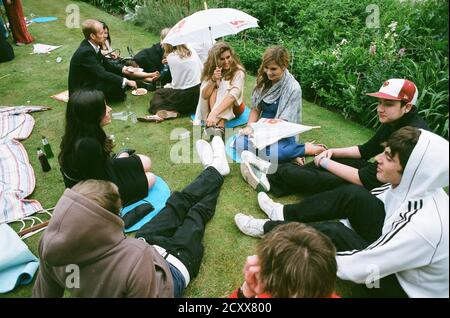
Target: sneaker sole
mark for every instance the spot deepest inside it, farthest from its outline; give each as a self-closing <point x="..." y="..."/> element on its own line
<point x="251" y="178"/>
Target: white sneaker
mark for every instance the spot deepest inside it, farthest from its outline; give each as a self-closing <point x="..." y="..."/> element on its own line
<point x="255" y="178"/>
<point x="274" y="210"/>
<point x="249" y="225"/>
<point x="259" y="163"/>
<point x="205" y="152"/>
<point x="219" y="156"/>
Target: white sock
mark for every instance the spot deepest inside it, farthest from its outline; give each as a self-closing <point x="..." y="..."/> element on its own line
<point x="219" y="156"/>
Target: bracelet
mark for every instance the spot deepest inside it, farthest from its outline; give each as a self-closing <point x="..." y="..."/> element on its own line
<point x="324" y="163"/>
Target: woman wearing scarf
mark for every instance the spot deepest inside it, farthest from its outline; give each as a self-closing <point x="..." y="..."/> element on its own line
<point x="277" y="95"/>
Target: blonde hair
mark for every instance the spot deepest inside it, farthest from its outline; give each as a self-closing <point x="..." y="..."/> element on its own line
<point x="181" y="50"/>
<point x="277" y="54"/>
<point x="104" y="193"/>
<point x="214" y="56"/>
<point x="163" y="34"/>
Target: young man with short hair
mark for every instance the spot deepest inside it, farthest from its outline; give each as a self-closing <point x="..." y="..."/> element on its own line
<point x="399" y="232"/>
<point x="396" y="109"/>
<point x="292" y="261"/>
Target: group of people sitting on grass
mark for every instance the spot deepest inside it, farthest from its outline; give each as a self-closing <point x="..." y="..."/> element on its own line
<point x="381" y="224"/>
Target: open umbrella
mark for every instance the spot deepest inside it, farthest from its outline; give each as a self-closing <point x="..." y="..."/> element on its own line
<point x="205" y="25"/>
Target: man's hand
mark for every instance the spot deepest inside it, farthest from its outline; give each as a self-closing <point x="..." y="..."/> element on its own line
<point x="164" y="60"/>
<point x="132" y="84"/>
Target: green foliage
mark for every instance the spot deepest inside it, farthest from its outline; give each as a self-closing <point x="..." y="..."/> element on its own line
<point x="338" y="57"/>
<point x="115" y="6"/>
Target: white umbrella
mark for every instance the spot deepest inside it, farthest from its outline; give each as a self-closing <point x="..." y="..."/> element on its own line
<point x="205" y="25"/>
<point x="268" y="131"/>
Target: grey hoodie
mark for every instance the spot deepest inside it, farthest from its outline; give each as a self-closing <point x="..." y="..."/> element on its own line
<point x="85" y="251"/>
<point x="415" y="236"/>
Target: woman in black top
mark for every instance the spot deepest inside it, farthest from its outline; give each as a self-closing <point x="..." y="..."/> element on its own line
<point x="86" y="150"/>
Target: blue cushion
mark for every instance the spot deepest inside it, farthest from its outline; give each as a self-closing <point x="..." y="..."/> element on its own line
<point x="238" y="121"/>
<point x="157" y="196"/>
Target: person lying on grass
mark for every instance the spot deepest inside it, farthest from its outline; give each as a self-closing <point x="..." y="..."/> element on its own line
<point x="397" y="99"/>
<point x="85" y="251"/>
<point x="394" y="239"/>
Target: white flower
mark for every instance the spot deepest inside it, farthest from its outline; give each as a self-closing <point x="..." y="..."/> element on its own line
<point x="344" y="41"/>
<point x="393" y="25"/>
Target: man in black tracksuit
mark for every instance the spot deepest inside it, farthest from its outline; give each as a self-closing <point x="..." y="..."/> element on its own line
<point x="350" y="165"/>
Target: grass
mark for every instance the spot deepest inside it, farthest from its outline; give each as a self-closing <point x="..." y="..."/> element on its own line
<point x="33" y="78"/>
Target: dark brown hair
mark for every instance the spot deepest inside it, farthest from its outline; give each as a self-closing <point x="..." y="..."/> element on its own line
<point x="297" y="261"/>
<point x="402" y="142"/>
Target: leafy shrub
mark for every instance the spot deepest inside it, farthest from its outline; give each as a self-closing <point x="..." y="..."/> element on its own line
<point x="337" y="58"/>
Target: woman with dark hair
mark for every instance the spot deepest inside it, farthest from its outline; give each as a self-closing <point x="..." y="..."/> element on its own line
<point x="86" y="150"/>
<point x="106" y="48"/>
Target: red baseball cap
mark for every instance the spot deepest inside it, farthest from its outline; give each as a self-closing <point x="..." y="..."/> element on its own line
<point x="398" y="89"/>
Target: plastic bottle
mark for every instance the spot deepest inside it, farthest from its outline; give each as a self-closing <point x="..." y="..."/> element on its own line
<point x="43" y="160"/>
<point x="47" y="148"/>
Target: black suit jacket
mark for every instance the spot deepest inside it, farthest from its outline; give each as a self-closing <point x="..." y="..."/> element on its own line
<point x="89" y="70"/>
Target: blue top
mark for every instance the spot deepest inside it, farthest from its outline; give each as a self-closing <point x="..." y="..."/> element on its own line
<point x="269" y="110"/>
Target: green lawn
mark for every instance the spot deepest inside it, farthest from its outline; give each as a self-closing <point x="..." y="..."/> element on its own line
<point x="33" y="78"/>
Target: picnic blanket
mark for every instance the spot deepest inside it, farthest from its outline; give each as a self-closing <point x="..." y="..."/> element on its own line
<point x="157" y="196"/>
<point x="17" y="264"/>
<point x="238" y="121"/>
<point x="231" y="150"/>
<point x="39" y="48"/>
<point x="17" y="180"/>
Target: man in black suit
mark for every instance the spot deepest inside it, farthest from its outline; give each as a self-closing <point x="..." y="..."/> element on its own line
<point x="89" y="69"/>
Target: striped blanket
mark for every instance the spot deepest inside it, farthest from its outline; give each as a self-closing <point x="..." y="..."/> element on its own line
<point x="17" y="179"/>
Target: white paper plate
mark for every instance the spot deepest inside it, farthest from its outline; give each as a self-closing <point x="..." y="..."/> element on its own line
<point x="139" y="92"/>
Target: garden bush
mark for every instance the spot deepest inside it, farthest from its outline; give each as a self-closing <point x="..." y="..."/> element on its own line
<point x="339" y="52"/>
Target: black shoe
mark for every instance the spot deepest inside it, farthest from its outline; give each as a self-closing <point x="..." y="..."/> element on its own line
<point x="135" y="215"/>
<point x="147" y="85"/>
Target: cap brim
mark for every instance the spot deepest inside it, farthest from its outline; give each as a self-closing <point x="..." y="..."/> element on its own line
<point x="383" y="96"/>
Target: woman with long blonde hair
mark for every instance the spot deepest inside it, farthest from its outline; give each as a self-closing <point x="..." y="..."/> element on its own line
<point x="222" y="89"/>
<point x="277" y="95"/>
<point x="182" y="95"/>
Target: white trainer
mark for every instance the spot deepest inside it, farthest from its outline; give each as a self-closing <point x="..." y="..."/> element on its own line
<point x="259" y="163"/>
<point x="274" y="210"/>
<point x="249" y="225"/>
<point x="219" y="156"/>
<point x="255" y="178"/>
<point x="205" y="152"/>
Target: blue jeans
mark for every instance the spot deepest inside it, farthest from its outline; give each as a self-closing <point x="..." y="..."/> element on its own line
<point x="178" y="281"/>
<point x="283" y="151"/>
